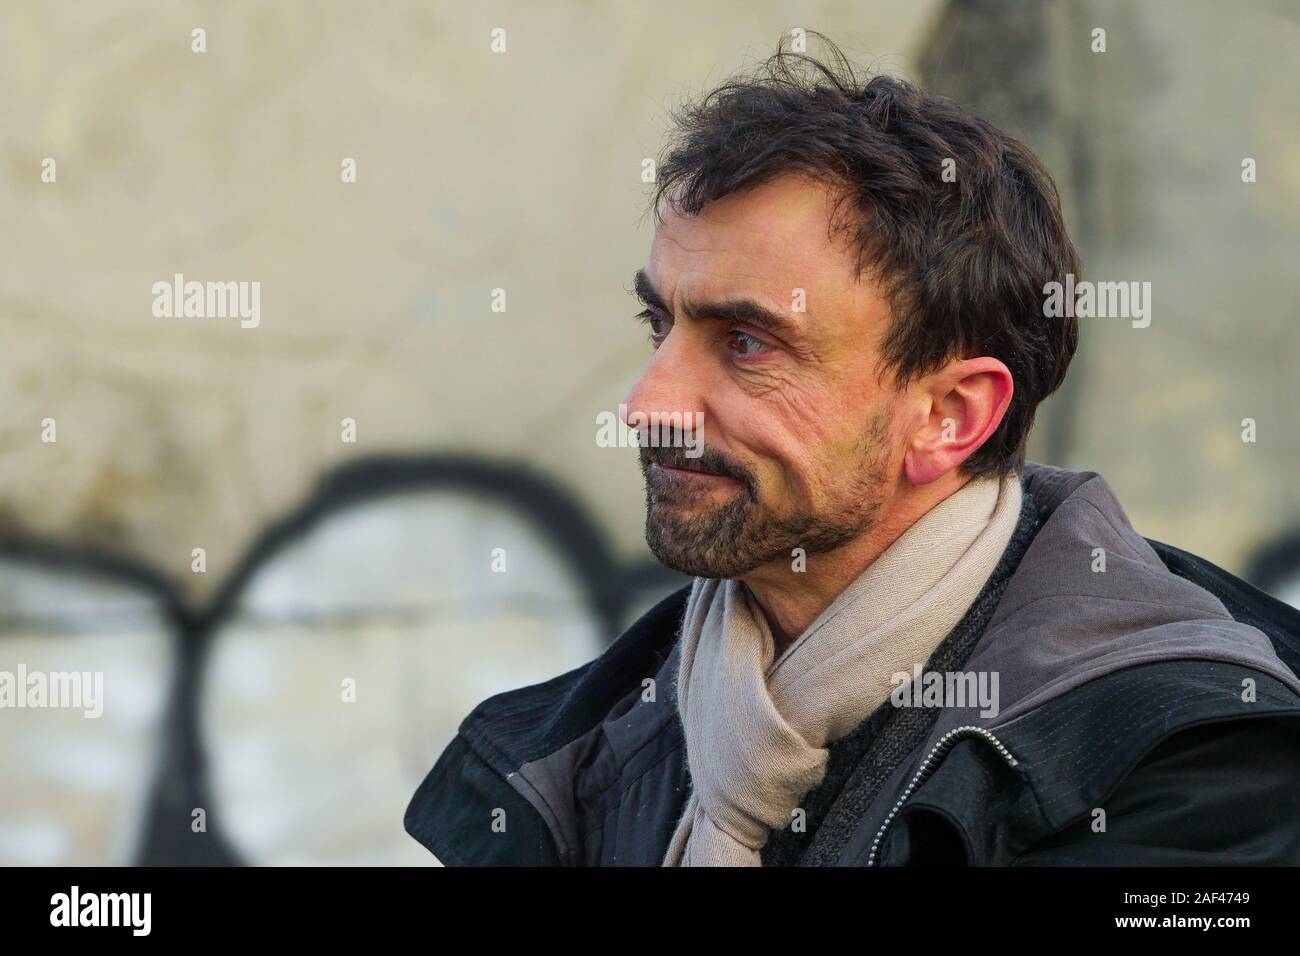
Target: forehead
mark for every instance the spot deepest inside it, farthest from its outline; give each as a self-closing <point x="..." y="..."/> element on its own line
<point x="768" y="240"/>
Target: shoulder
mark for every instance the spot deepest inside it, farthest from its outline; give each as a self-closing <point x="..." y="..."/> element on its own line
<point x="521" y="725"/>
<point x="478" y="776"/>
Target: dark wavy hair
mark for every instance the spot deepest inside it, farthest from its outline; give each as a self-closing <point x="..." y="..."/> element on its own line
<point x="962" y="264"/>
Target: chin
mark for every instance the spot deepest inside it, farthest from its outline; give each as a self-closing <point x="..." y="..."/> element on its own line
<point x="693" y="561"/>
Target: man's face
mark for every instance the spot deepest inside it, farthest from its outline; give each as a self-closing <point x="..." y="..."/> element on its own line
<point x="798" y="450"/>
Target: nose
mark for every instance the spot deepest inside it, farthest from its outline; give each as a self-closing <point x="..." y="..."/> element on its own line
<point x="673" y="383"/>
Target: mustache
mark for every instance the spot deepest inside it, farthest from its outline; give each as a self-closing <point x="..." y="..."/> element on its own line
<point x="709" y="460"/>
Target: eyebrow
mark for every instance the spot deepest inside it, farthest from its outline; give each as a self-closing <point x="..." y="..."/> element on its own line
<point x="728" y="310"/>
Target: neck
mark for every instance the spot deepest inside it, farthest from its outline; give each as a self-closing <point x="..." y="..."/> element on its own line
<point x="791" y="600"/>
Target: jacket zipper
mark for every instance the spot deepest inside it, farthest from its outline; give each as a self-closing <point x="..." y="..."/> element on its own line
<point x="928" y="766"/>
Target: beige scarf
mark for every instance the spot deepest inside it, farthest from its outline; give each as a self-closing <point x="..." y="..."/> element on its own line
<point x="757" y="729"/>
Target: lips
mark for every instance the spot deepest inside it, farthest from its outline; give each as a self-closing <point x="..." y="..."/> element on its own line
<point x="696" y="471"/>
<point x="674" y="473"/>
<point x="668" y="468"/>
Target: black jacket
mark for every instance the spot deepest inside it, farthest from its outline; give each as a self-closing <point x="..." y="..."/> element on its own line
<point x="1149" y="714"/>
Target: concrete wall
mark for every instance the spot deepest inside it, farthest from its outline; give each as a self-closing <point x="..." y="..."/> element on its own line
<point x="475" y="429"/>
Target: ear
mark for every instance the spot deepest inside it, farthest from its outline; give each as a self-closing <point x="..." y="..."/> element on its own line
<point x="967" y="401"/>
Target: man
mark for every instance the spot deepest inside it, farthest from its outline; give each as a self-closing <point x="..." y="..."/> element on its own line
<point x="902" y="644"/>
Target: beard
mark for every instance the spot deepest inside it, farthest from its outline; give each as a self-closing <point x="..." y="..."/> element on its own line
<point x="688" y="532"/>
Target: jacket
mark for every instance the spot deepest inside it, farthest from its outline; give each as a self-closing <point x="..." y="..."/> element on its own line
<point x="1148" y="713"/>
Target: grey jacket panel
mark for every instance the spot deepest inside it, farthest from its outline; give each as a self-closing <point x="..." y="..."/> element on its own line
<point x="1061" y="624"/>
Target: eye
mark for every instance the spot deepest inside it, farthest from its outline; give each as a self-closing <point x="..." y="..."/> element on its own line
<point x="745" y="345"/>
<point x="659" y="326"/>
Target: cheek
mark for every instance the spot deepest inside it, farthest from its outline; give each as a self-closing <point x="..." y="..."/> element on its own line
<point x="786" y="435"/>
<point x="831" y="444"/>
